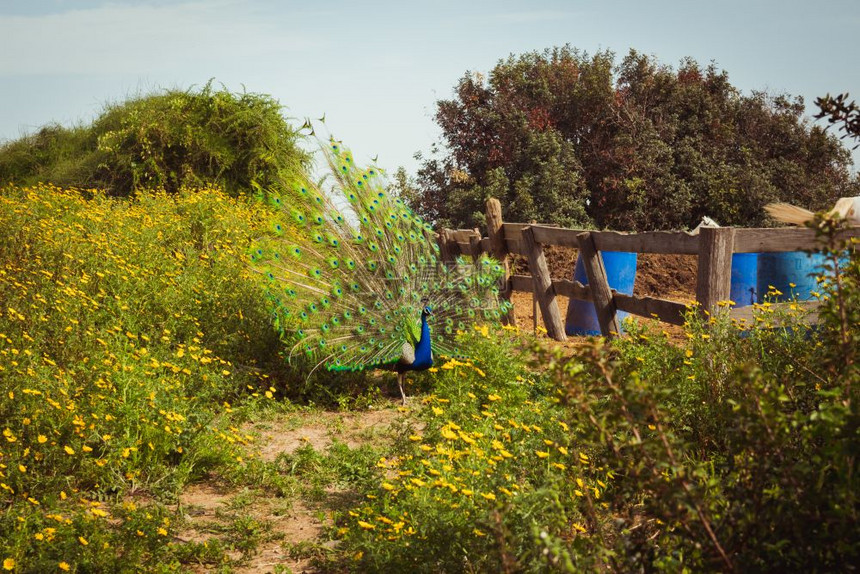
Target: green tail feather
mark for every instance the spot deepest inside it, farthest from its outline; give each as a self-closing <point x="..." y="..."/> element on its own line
<point x="350" y="270"/>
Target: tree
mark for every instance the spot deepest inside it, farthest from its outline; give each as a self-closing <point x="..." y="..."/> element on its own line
<point x="845" y="115"/>
<point x="563" y="137"/>
<point x="164" y="140"/>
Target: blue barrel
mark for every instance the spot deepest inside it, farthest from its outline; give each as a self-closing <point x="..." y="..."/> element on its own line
<point x="744" y="279"/>
<point x="620" y="272"/>
<point x="779" y="270"/>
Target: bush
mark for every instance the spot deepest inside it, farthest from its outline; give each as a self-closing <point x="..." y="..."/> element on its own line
<point x="127" y="329"/>
<point x="492" y="470"/>
<point x="166" y="140"/>
<point x="735" y="451"/>
<point x="565" y="137"/>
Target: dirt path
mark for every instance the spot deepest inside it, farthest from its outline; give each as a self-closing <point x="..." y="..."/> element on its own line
<point x="279" y="533"/>
<point x="283" y="533"/>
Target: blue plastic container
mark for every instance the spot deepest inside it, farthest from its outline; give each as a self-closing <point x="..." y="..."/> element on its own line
<point x="779" y="270"/>
<point x="744" y="279"/>
<point x="620" y="272"/>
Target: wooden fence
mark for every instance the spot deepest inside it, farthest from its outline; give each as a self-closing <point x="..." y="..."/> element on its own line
<point x="714" y="247"/>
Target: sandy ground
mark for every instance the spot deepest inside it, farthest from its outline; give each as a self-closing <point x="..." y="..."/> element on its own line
<point x="670" y="277"/>
<point x="289" y="523"/>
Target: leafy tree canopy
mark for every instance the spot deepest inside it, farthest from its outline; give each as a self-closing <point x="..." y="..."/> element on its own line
<point x="565" y="137"/>
<point x="164" y="140"/>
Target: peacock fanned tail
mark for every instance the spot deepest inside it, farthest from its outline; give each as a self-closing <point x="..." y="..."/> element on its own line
<point x="350" y="270"/>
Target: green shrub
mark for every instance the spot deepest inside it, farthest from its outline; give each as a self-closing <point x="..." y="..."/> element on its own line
<point x="734" y="451"/>
<point x="127" y="330"/>
<point x="165" y="140"/>
<point x="492" y="469"/>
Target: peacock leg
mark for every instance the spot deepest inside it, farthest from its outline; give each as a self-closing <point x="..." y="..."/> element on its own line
<point x="401" y="378"/>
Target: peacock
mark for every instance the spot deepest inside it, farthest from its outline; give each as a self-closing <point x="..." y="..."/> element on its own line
<point x="356" y="279"/>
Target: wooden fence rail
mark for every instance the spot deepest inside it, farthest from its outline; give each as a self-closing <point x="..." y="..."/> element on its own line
<point x="713" y="246"/>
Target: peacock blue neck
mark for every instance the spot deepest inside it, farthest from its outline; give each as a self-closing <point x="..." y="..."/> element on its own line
<point x="423" y="352"/>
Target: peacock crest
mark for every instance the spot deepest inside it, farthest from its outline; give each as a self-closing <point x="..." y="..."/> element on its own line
<point x="356" y="279"/>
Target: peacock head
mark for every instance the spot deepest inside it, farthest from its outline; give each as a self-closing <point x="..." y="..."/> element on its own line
<point x="426" y="311"/>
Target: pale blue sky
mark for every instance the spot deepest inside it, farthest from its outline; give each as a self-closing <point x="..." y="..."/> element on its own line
<point x="376" y="68"/>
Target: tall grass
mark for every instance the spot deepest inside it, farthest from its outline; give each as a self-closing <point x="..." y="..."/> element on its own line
<point x="127" y="329"/>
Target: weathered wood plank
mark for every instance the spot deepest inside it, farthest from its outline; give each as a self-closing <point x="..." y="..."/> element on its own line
<point x="572" y="289"/>
<point x="515" y="246"/>
<point x="462" y="235"/>
<point x="443" y="239"/>
<point x="495" y="228"/>
<point x="543" y="289"/>
<point x="549" y="235"/>
<point x="522" y="283"/>
<point x="713" y="283"/>
<point x="497" y="248"/>
<point x="672" y="242"/>
<point x="475" y="247"/>
<point x="761" y="240"/>
<point x="604" y="303"/>
<point x="513" y="231"/>
<point x="667" y="311"/>
<point x="747" y="240"/>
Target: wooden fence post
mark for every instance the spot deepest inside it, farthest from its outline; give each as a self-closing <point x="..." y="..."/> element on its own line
<point x="498" y="249"/>
<point x="713" y="284"/>
<point x="544" y="291"/>
<point x="443" y="238"/>
<point x="475" y="245"/>
<point x="604" y="303"/>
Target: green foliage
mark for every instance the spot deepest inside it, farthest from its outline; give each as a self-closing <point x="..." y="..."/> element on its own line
<point x="578" y="140"/>
<point x="127" y="329"/>
<point x="837" y="110"/>
<point x="491" y="471"/>
<point x="164" y="141"/>
<point x="734" y="450"/>
<point x="737" y="450"/>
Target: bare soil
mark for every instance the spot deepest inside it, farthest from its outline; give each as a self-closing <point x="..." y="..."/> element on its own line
<point x="321" y="429"/>
<point x="288" y="524"/>
<point x="670" y="277"/>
